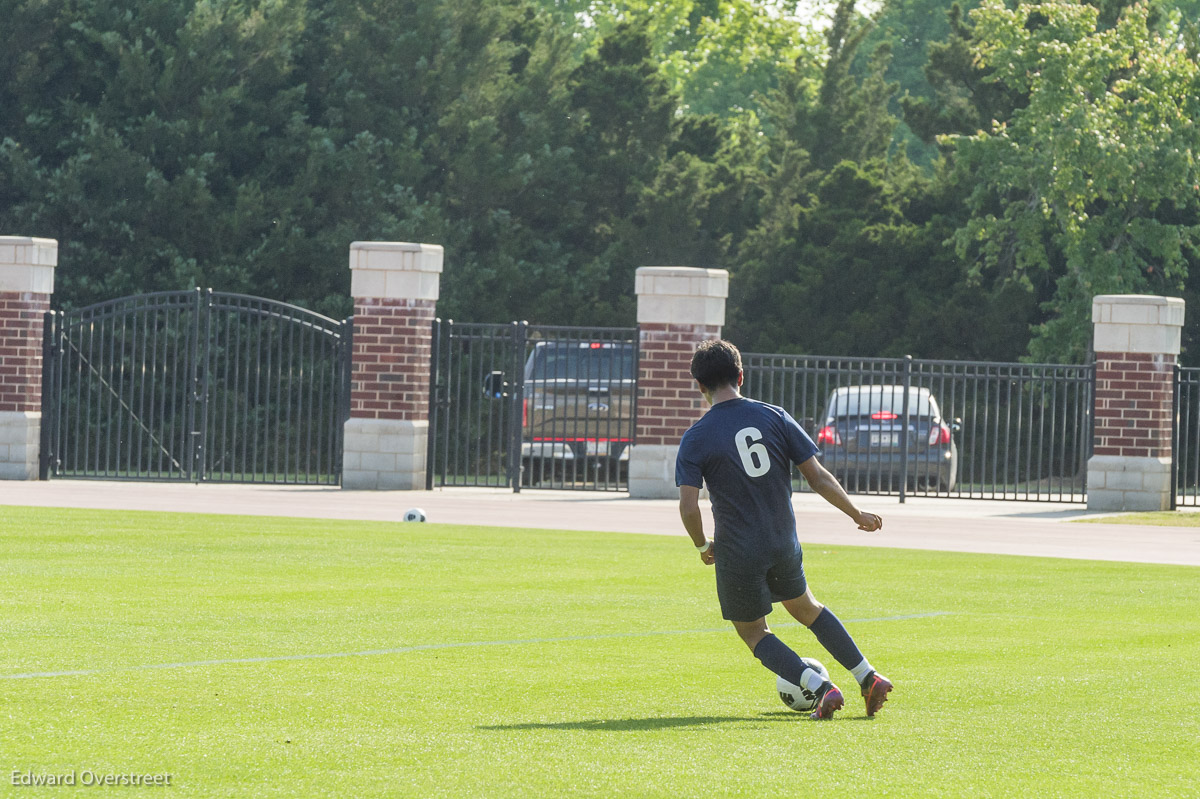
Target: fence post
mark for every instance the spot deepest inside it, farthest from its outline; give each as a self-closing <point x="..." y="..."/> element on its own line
<point x="26" y="285"/>
<point x="516" y="402"/>
<point x="197" y="390"/>
<point x="50" y="388"/>
<point x="1176" y="393"/>
<point x="395" y="288"/>
<point x="678" y="307"/>
<point x="435" y="358"/>
<point x="906" y="416"/>
<point x="1137" y="344"/>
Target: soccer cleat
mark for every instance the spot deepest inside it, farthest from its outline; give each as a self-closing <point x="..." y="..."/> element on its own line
<point x="830" y="702"/>
<point x="875" y="690"/>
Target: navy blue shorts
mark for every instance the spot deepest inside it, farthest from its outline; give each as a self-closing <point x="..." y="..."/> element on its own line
<point x="747" y="592"/>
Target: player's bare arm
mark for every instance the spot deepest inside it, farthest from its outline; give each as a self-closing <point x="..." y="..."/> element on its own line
<point x="693" y="522"/>
<point x="820" y="480"/>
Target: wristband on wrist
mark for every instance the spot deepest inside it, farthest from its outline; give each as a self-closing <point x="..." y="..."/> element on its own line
<point x="707" y="545"/>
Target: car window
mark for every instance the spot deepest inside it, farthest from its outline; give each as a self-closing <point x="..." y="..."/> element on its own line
<point x="583" y="361"/>
<point x="880" y="399"/>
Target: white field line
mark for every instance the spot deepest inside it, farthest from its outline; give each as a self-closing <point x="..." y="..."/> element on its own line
<point x="415" y="648"/>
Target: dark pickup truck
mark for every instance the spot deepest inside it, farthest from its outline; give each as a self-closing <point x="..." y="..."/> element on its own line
<point x="578" y="411"/>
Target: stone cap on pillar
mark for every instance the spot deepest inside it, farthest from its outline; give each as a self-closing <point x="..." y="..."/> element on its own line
<point x="395" y="270"/>
<point x="681" y="295"/>
<point x="1137" y="323"/>
<point x="27" y="264"/>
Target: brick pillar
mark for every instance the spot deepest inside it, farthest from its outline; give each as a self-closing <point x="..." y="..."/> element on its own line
<point x="395" y="290"/>
<point x="1137" y="345"/>
<point x="678" y="307"/>
<point x="26" y="285"/>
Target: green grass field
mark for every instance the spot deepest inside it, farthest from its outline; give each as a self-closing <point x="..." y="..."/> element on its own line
<point x="1167" y="518"/>
<point x="254" y="657"/>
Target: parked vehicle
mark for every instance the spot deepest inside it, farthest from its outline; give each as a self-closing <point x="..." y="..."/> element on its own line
<point x="578" y="411"/>
<point x="869" y="439"/>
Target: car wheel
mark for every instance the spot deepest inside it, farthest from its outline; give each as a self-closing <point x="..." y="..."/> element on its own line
<point x="948" y="477"/>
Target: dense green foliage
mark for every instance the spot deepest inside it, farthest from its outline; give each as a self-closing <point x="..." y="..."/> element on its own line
<point x="1095" y="180"/>
<point x="907" y="183"/>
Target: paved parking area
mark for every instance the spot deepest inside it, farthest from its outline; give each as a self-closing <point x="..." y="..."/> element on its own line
<point x="1010" y="528"/>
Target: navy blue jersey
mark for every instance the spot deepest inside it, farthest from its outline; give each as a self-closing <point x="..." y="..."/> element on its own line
<point x="745" y="450"/>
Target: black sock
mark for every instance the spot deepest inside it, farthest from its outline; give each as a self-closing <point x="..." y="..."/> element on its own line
<point x="779" y="658"/>
<point x="833" y="636"/>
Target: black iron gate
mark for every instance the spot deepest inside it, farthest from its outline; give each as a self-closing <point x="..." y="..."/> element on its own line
<point x="1185" y="463"/>
<point x="963" y="429"/>
<point x="519" y="404"/>
<point x="195" y="386"/>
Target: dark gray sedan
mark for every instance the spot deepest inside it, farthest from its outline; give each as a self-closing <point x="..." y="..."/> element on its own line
<point x="872" y="439"/>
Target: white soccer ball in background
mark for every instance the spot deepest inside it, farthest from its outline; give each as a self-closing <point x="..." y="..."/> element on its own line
<point x="414" y="515"/>
<point x="803" y="698"/>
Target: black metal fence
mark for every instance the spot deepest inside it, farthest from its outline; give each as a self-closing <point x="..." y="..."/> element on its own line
<point x="195" y="386"/>
<point x="1186" y="461"/>
<point x="519" y="404"/>
<point x="952" y="428"/>
<point x="202" y="385"/>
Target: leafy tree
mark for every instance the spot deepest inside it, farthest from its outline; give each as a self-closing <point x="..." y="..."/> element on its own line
<point x="910" y="28"/>
<point x="827" y="202"/>
<point x="835" y="114"/>
<point x="850" y="255"/>
<point x="964" y="97"/>
<point x="173" y="147"/>
<point x="1094" y="181"/>
<point x="579" y="178"/>
<point x="245" y="145"/>
<point x="652" y="186"/>
<point x="719" y="56"/>
<point x="733" y="52"/>
<point x="471" y="97"/>
<point x="913" y="30"/>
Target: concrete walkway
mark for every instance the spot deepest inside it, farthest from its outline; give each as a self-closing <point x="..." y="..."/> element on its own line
<point x="1009" y="528"/>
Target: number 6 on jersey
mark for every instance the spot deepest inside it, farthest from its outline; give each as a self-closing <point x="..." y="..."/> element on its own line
<point x="753" y="454"/>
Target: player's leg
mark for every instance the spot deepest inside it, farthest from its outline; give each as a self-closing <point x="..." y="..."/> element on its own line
<point x="745" y="601"/>
<point x="832" y="635"/>
<point x="830" y="632"/>
<point x="785" y="578"/>
<point x="781" y="659"/>
<point x="778" y="656"/>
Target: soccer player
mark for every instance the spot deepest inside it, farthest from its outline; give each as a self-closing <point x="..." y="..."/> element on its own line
<point x="744" y="450"/>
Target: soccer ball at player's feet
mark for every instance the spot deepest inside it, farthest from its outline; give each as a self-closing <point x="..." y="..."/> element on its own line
<point x="803" y="699"/>
<point x="414" y="515"/>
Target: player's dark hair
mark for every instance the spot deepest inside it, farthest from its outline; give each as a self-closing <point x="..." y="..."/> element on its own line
<point x="716" y="363"/>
